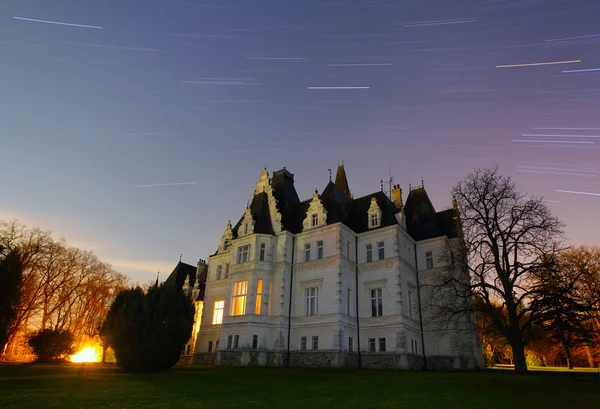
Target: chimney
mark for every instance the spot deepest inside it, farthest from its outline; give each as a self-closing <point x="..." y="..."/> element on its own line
<point x="397" y="196"/>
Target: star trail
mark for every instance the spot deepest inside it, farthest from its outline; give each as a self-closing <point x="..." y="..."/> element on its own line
<point x="103" y="98"/>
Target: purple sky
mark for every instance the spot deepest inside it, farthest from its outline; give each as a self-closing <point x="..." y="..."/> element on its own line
<point x="211" y="91"/>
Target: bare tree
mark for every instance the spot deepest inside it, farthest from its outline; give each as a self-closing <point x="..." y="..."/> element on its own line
<point x="506" y="236"/>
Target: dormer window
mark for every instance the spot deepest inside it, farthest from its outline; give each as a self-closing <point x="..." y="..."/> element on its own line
<point x="245" y="228"/>
<point x="316" y="215"/>
<point x="374" y="214"/>
<point x="315" y="220"/>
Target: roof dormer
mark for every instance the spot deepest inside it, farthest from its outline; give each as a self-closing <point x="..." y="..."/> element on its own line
<point x="247" y="226"/>
<point x="226" y="239"/>
<point x="374" y="213"/>
<point x="316" y="215"/>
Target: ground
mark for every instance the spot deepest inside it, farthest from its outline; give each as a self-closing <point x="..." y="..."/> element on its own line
<point x="105" y="386"/>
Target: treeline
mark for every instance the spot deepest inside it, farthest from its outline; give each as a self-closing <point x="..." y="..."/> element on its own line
<point x="61" y="287"/>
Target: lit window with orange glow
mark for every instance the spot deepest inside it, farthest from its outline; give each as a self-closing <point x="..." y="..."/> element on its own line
<point x="259" y="290"/>
<point x="218" y="312"/>
<point x="238" y="300"/>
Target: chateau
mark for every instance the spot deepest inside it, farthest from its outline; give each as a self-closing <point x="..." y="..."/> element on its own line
<point x="333" y="281"/>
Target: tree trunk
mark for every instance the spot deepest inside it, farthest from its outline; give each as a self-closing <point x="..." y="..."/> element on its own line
<point x="569" y="358"/>
<point x="518" y="351"/>
<point x="589" y="357"/>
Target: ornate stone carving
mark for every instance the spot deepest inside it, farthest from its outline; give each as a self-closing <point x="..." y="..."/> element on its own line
<point x="315" y="208"/>
<point x="247" y="226"/>
<point x="374" y="210"/>
<point x="226" y="239"/>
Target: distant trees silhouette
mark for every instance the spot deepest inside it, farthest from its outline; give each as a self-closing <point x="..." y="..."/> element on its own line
<point x="61" y="288"/>
<point x="147" y="330"/>
<point x="11" y="275"/>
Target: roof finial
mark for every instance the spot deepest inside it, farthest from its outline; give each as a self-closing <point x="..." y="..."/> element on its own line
<point x="381" y="183"/>
<point x="329" y="174"/>
<point x="248" y="204"/>
<point x="409" y="187"/>
<point x="181" y="255"/>
<point x="422" y="183"/>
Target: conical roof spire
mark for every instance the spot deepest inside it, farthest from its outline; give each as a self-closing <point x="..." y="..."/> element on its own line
<point x="341" y="180"/>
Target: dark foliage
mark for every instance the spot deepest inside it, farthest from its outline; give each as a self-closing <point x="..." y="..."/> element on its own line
<point x="148" y="331"/>
<point x="11" y="275"/>
<point x="51" y="345"/>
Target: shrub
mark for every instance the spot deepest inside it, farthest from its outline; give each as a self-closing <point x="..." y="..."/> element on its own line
<point x="51" y="345"/>
<point x="148" y="331"/>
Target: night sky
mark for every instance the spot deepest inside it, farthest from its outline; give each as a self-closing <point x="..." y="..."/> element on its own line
<point x="103" y="100"/>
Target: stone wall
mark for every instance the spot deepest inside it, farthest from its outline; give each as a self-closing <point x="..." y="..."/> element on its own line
<point x="391" y="361"/>
<point x="205" y="358"/>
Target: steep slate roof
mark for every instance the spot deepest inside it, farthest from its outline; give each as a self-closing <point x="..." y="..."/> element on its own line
<point x="422" y="221"/>
<point x="259" y="208"/>
<point x="359" y="218"/>
<point x="341" y="181"/>
<point x="183" y="270"/>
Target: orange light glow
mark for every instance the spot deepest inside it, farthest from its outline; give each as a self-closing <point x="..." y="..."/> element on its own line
<point x="87" y="354"/>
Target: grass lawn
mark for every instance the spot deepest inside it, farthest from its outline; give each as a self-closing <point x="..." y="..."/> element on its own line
<point x="97" y="386"/>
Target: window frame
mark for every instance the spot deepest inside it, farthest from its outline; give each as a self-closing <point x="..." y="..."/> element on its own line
<point x="429" y="259"/>
<point x="239" y="298"/>
<point x="314" y="219"/>
<point x="376" y="296"/>
<point x="374" y="220"/>
<point x="307" y="252"/>
<point x="380" y="250"/>
<point x="236" y="341"/>
<point x="382" y="343"/>
<point x="262" y="255"/>
<point x="255" y="341"/>
<point x="219" y="270"/>
<point x="243" y="254"/>
<point x="311" y="300"/>
<point x="320" y="249"/>
<point x="303" y="343"/>
<point x="259" y="296"/>
<point x="229" y="341"/>
<point x="369" y="252"/>
<point x="350" y="344"/>
<point x="315" y="343"/>
<point x="372" y="342"/>
<point x="218" y="313"/>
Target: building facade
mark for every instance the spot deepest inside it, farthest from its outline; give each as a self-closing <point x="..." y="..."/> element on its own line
<point x="333" y="281"/>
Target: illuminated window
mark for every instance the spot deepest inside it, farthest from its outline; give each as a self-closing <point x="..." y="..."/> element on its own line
<point x="236" y="341"/>
<point x="320" y="249"/>
<point x="315" y="219"/>
<point x="372" y="345"/>
<point x="219" y="268"/>
<point x="254" y="341"/>
<point x="262" y="252"/>
<point x="429" y="259"/>
<point x="312" y="300"/>
<point x="259" y="296"/>
<point x="381" y="250"/>
<point x="210" y="344"/>
<point x="315" y="343"/>
<point x="381" y="344"/>
<point x="218" y="312"/>
<point x="376" y="302"/>
<point x="238" y="300"/>
<point x="350" y="344"/>
<point x="302" y="343"/>
<point x="243" y="254"/>
<point x="374" y="220"/>
<point x="229" y="340"/>
<point x="307" y="252"/>
<point x="369" y="253"/>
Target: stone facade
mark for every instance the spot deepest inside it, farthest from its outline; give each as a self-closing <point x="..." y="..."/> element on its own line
<point x="338" y="264"/>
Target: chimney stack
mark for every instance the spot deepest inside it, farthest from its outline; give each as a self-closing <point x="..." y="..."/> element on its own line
<point x="397" y="196"/>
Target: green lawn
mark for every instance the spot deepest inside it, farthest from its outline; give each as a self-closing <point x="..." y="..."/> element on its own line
<point x="97" y="386"/>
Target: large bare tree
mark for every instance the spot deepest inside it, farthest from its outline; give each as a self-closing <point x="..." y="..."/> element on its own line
<point x="506" y="238"/>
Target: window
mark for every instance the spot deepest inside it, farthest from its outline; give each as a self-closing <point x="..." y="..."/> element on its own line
<point x="381" y="250"/>
<point x="372" y="345"/>
<point x="238" y="301"/>
<point x="259" y="290"/>
<point x="320" y="249"/>
<point x="254" y="341"/>
<point x="374" y="220"/>
<point x="410" y="310"/>
<point x="376" y="302"/>
<point x="262" y="252"/>
<point x="315" y="219"/>
<point x="236" y="341"/>
<point x="381" y="344"/>
<point x="302" y="343"/>
<point x="245" y="228"/>
<point x="219" y="268"/>
<point x="429" y="259"/>
<point x="210" y="346"/>
<point x="243" y="254"/>
<point x="369" y="253"/>
<point x="348" y="298"/>
<point x="315" y="343"/>
<point x="312" y="300"/>
<point x="307" y="252"/>
<point x="226" y="270"/>
<point x="229" y="340"/>
<point x="218" y="312"/>
<point x="350" y="344"/>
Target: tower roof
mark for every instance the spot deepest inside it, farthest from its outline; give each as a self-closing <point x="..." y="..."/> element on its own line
<point x="341" y="180"/>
